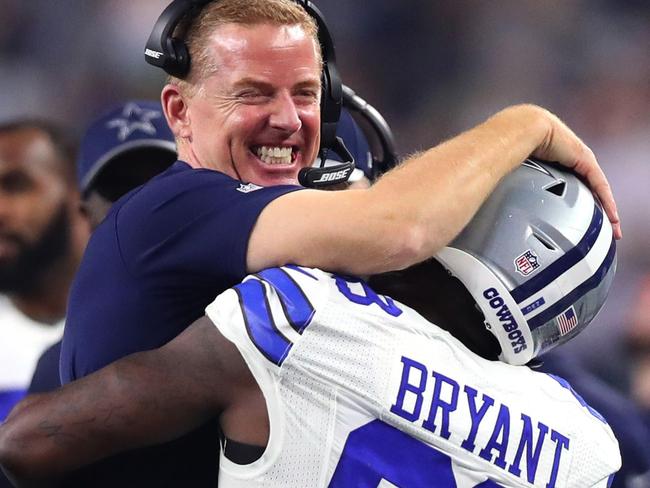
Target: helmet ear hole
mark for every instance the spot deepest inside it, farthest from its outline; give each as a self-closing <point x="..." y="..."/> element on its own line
<point x="556" y="188"/>
<point x="545" y="242"/>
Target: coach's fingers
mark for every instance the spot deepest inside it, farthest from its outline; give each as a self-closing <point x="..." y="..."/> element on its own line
<point x="597" y="181"/>
<point x="563" y="146"/>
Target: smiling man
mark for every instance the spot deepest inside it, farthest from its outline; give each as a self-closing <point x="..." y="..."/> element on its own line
<point x="257" y="117"/>
<point x="246" y="118"/>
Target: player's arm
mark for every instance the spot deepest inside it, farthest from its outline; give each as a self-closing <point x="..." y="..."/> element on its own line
<point x="416" y="209"/>
<point x="143" y="399"/>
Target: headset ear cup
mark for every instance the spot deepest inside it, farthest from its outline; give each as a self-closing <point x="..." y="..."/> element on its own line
<point x="324" y="92"/>
<point x="325" y="104"/>
<point x="180" y="64"/>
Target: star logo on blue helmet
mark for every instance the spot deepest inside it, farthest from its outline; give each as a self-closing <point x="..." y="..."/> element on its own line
<point x="134" y="118"/>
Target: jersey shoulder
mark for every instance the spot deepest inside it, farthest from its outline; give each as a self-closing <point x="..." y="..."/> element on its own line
<point x="271" y="309"/>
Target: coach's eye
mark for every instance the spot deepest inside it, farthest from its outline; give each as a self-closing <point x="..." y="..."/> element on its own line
<point x="307" y="95"/>
<point x="252" y="96"/>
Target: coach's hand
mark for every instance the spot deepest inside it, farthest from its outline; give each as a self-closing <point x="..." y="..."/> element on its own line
<point x="562" y="145"/>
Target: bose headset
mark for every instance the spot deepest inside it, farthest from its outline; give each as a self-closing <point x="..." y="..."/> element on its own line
<point x="379" y="128"/>
<point x="171" y="54"/>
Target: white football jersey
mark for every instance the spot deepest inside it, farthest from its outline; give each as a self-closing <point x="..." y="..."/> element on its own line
<point x="362" y="391"/>
<point x="22" y="341"/>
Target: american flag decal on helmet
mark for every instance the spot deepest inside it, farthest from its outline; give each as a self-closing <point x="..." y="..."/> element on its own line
<point x="567" y="320"/>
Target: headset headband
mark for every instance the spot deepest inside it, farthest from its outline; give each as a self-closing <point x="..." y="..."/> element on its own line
<point x="371" y="115"/>
<point x="332" y="91"/>
<point x="161" y="48"/>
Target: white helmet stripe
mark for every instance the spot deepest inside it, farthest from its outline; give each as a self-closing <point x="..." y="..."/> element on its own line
<point x="577" y="292"/>
<point x="585" y="267"/>
<point x="574" y="255"/>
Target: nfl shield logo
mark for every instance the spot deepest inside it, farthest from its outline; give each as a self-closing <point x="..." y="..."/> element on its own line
<point x="526" y="263"/>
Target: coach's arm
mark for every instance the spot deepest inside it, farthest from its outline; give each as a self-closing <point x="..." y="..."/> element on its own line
<point x="419" y="207"/>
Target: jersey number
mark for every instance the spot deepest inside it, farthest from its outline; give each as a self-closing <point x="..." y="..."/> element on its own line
<point x="367" y="295"/>
<point x="377" y="455"/>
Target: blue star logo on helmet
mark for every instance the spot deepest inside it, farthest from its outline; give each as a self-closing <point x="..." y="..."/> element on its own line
<point x="134" y="118"/>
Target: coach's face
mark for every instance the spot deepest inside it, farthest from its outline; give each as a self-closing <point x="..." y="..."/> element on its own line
<point x="257" y="118"/>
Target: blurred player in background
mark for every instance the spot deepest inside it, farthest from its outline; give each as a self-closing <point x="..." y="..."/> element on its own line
<point x="42" y="238"/>
<point x="321" y="381"/>
<point x="40" y="219"/>
<point x="120" y="150"/>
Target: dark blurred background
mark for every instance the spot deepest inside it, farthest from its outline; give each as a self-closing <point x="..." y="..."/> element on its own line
<point x="433" y="68"/>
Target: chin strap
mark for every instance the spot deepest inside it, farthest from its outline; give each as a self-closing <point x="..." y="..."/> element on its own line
<point x="331" y="175"/>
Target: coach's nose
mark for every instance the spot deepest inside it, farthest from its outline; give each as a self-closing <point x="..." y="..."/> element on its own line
<point x="285" y="116"/>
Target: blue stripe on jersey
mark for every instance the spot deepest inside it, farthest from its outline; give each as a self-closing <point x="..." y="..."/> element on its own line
<point x="561" y="305"/>
<point x="295" y="304"/>
<point x="610" y="480"/>
<point x="555" y="269"/>
<point x="300" y="270"/>
<point x="8" y="399"/>
<point x="259" y="321"/>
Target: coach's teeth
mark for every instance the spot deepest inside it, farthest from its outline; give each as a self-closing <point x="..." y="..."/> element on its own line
<point x="274" y="155"/>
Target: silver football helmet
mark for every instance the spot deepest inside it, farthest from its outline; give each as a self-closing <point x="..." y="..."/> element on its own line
<point x="538" y="258"/>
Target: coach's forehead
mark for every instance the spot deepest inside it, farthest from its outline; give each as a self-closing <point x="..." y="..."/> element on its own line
<point x="231" y="43"/>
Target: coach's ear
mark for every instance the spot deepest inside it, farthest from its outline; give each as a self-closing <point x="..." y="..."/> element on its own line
<point x="175" y="108"/>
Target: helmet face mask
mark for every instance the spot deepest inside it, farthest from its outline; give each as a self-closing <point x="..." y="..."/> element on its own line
<point x="538" y="258"/>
